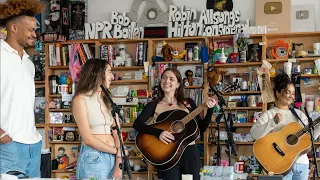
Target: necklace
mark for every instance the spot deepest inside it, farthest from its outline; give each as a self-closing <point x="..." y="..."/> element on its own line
<point x="169" y="103"/>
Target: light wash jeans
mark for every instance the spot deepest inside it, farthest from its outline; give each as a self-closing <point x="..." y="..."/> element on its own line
<point x="25" y="158"/>
<point x="93" y="163"/>
<point x="298" y="172"/>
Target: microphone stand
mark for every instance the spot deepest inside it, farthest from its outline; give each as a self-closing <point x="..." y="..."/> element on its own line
<point x="230" y="141"/>
<point x="125" y="159"/>
<point x="314" y="159"/>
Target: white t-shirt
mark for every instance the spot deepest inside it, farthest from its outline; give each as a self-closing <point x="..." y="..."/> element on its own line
<point x="265" y="124"/>
<point x="17" y="96"/>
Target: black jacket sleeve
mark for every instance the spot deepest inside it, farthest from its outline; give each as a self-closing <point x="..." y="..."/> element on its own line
<point x="140" y="123"/>
<point x="202" y="123"/>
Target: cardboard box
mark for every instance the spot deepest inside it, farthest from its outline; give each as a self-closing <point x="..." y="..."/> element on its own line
<point x="275" y="14"/>
<point x="303" y="18"/>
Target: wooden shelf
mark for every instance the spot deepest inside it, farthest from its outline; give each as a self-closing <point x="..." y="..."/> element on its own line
<point x="237" y="143"/>
<point x="130" y="142"/>
<point x="55" y="95"/>
<point x="252" y="36"/>
<point x="311" y="159"/>
<point x="127" y="68"/>
<point x="62" y="171"/>
<point x="139" y="97"/>
<point x="244" y="108"/>
<point x="59" y="67"/>
<point x="293" y="34"/>
<point x="63" y="125"/>
<point x="234" y="125"/>
<point x="127" y="125"/>
<point x="298" y="59"/>
<point x="135" y="157"/>
<point x="310" y="75"/>
<point x="64" y="142"/>
<point x="60" y="110"/>
<point x="39" y="82"/>
<point x="234" y="65"/>
<point x="182" y="39"/>
<point x="199" y="142"/>
<point x="238" y="93"/>
<point x="40" y="125"/>
<point x="131" y="81"/>
<point x="179" y="62"/>
<point x="192" y="87"/>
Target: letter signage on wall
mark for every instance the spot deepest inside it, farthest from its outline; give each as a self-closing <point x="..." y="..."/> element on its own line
<point x="188" y="22"/>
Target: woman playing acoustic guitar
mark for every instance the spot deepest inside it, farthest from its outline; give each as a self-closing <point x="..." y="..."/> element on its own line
<point x="171" y="98"/>
<point x="278" y="117"/>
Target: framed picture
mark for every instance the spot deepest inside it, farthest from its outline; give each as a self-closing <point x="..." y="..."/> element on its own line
<point x="65" y="16"/>
<point x="199" y="71"/>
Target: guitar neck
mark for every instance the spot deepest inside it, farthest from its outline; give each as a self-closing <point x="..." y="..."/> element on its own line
<point x="307" y="128"/>
<point x="194" y="113"/>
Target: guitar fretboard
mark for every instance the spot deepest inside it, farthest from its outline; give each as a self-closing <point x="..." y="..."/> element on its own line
<point x="307" y="128"/>
<point x="194" y="113"/>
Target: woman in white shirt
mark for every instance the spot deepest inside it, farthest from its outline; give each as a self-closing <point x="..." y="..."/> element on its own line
<point x="278" y="117"/>
<point x="99" y="156"/>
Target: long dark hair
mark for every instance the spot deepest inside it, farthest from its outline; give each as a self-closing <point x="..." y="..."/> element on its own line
<point x="92" y="75"/>
<point x="281" y="81"/>
<point x="179" y="92"/>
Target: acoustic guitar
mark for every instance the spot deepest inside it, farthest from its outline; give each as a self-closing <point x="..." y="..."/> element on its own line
<point x="278" y="151"/>
<point x="184" y="128"/>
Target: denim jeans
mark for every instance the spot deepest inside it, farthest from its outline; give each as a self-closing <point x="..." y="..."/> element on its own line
<point x="25" y="158"/>
<point x="298" y="172"/>
<point x="93" y="163"/>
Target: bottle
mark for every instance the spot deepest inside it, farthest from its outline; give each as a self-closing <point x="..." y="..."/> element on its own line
<point x="196" y="52"/>
<point x="293" y="53"/>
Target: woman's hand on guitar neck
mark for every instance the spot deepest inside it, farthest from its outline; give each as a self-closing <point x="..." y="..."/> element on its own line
<point x="277" y="118"/>
<point x="166" y="137"/>
<point x="211" y="102"/>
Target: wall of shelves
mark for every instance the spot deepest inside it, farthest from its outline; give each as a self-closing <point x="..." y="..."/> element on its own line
<point x="243" y="148"/>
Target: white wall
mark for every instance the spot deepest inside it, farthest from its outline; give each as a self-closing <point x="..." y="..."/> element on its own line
<point x="100" y="10"/>
<point x="317" y="6"/>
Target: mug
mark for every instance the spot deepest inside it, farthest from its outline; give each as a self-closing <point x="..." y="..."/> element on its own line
<point x="63" y="89"/>
<point x="310" y="106"/>
<point x="239" y="167"/>
<point x="252" y="101"/>
<point x="316" y="48"/>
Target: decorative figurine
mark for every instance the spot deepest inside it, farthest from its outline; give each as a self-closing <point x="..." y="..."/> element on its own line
<point x="167" y="51"/>
<point x="53" y="21"/>
<point x="78" y="16"/>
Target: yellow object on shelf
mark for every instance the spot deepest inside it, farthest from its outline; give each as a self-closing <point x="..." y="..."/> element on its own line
<point x="273" y="71"/>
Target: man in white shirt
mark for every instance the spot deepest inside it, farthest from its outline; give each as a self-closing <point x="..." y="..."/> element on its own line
<point x="20" y="143"/>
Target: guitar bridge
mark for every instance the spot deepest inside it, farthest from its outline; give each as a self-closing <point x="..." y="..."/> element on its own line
<point x="277" y="148"/>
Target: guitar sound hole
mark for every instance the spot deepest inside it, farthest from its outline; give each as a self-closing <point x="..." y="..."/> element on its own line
<point x="177" y="127"/>
<point x="292" y="139"/>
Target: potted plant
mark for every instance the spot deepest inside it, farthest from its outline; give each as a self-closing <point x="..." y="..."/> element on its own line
<point x="242" y="41"/>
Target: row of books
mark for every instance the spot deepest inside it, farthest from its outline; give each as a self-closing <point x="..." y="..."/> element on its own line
<point x="60" y="55"/>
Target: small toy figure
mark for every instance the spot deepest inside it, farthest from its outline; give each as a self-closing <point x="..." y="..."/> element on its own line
<point x="61" y="151"/>
<point x="176" y="56"/>
<point x="167" y="51"/>
<point x="78" y="17"/>
<point x="63" y="163"/>
<point x="53" y="22"/>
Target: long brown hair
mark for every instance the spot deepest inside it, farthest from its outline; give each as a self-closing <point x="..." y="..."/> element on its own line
<point x="179" y="92"/>
<point x="92" y="75"/>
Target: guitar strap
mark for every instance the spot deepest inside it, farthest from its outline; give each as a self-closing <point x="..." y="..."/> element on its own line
<point x="296" y="115"/>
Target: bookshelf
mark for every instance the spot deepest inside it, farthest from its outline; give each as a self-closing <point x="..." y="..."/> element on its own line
<point x="243" y="148"/>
